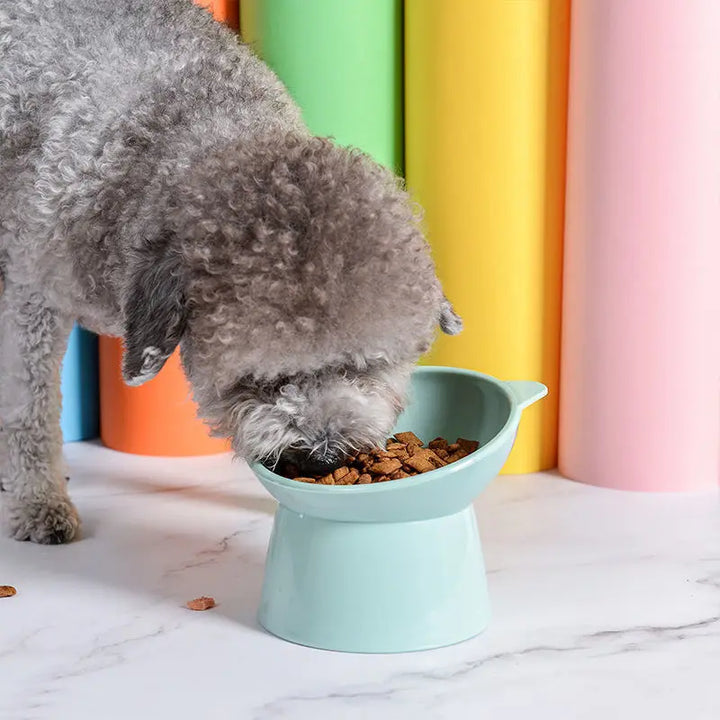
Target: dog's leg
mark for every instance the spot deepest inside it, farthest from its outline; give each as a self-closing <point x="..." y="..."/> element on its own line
<point x="34" y="500"/>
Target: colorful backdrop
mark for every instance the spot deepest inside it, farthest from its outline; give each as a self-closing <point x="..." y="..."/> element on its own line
<point x="589" y="214"/>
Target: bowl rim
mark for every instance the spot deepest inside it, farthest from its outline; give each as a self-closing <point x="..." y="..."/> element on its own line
<point x="268" y="476"/>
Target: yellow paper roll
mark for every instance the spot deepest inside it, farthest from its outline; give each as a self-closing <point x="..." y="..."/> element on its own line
<point x="486" y="97"/>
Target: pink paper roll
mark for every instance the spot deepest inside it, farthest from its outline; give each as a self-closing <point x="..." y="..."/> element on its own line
<point x="640" y="370"/>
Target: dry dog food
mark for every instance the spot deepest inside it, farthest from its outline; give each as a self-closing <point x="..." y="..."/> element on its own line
<point x="7" y="591"/>
<point x="201" y="603"/>
<point x="404" y="456"/>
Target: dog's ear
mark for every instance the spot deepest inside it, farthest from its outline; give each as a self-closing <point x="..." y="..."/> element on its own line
<point x="155" y="315"/>
<point x="450" y="322"/>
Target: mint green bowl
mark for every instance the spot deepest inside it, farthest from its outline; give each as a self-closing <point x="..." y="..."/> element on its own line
<point x="394" y="566"/>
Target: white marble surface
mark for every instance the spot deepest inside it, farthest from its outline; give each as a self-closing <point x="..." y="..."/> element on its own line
<point x="606" y="605"/>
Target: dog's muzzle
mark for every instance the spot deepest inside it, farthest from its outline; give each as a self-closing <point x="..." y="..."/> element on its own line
<point x="311" y="463"/>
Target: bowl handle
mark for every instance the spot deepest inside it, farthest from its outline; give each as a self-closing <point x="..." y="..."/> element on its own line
<point x="526" y="392"/>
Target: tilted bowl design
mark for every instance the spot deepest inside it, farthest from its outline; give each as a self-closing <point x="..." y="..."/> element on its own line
<point x="394" y="566"/>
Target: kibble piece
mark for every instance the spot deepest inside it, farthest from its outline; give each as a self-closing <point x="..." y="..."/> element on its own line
<point x="457" y="455"/>
<point x="435" y="459"/>
<point x="7" y="591"/>
<point x="425" y="460"/>
<point x="201" y="603"/>
<point x="385" y="467"/>
<point x="364" y="479"/>
<point x="408" y="438"/>
<point x="469" y="446"/>
<point x="340" y="473"/>
<point x="398" y="450"/>
<point x="381" y="478"/>
<point x="412" y="449"/>
<point x="305" y="479"/>
<point x="327" y="480"/>
<point x="383" y="454"/>
<point x="399" y="475"/>
<point x="438" y="443"/>
<point x="420" y="464"/>
<point x="349" y="478"/>
<point x="441" y="453"/>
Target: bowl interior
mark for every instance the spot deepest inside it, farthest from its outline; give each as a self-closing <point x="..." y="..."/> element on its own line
<point x="452" y="403"/>
<point x="443" y="401"/>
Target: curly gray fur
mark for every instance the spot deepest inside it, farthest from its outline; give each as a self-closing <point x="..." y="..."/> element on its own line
<point x="158" y="184"/>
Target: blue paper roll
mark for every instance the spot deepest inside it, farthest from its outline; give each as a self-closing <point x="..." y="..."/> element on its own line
<point x="79" y="419"/>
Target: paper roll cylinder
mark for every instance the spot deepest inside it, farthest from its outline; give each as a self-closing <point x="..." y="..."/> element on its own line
<point x="640" y="405"/>
<point x="79" y="387"/>
<point x="227" y="11"/>
<point x="486" y="85"/>
<point x="341" y="61"/>
<point x="157" y="418"/>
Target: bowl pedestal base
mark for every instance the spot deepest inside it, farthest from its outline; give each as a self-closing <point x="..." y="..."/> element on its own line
<point x="374" y="586"/>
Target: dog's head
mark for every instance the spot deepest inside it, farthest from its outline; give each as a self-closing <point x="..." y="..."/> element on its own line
<point x="296" y="280"/>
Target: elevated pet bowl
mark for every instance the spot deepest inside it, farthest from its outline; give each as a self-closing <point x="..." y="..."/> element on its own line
<point x="394" y="566"/>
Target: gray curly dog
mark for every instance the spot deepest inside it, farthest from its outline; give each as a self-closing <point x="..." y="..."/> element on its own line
<point x="158" y="184"/>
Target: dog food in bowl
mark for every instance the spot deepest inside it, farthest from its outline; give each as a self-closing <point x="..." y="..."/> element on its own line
<point x="404" y="455"/>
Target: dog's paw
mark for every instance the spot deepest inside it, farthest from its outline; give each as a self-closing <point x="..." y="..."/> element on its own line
<point x="52" y="522"/>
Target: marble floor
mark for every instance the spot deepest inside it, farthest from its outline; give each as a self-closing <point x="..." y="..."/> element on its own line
<point x="606" y="605"/>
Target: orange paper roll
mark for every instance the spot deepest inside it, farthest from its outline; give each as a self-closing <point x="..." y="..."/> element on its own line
<point x="158" y="418"/>
<point x="227" y="11"/>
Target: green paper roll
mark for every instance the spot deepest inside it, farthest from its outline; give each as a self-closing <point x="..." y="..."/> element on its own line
<point x="341" y="61"/>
